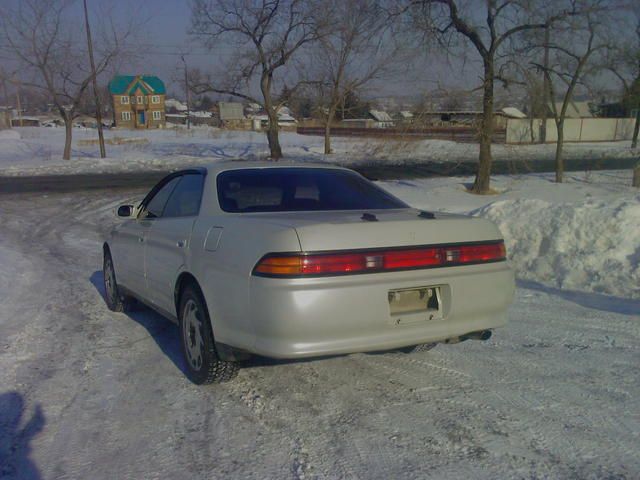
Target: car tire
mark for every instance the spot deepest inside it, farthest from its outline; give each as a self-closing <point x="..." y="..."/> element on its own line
<point x="114" y="299"/>
<point x="423" y="347"/>
<point x="203" y="365"/>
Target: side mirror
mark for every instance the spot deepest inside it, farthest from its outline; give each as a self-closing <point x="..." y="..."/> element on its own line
<point x="125" y="210"/>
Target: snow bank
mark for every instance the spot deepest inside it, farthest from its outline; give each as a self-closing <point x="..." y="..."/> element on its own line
<point x="593" y="245"/>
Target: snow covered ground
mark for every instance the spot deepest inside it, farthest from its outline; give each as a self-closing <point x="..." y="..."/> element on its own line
<point x="87" y="393"/>
<point x="38" y="150"/>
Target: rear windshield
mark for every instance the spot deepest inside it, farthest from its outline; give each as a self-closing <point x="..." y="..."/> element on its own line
<point x="299" y="189"/>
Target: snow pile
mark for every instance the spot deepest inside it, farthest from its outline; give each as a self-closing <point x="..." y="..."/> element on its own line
<point x="593" y="245"/>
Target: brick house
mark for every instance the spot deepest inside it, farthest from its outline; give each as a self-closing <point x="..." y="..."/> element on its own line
<point x="138" y="101"/>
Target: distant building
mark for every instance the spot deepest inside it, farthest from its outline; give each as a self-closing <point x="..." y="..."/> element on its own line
<point x="138" y="101"/>
<point x="25" y="122"/>
<point x="576" y="109"/>
<point x="173" y="105"/>
<point x="358" y="123"/>
<point x="285" y="119"/>
<point x="463" y="118"/>
<point x="512" y="112"/>
<point x="381" y="118"/>
<point x="374" y="119"/>
<point x="404" y="117"/>
<point x="230" y="112"/>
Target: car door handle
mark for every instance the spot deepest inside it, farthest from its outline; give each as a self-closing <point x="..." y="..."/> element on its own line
<point x="181" y="243"/>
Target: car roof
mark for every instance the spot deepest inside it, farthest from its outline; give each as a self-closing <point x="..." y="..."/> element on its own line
<point x="224" y="165"/>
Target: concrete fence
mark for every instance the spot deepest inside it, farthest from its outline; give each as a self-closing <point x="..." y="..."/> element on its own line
<point x="575" y="130"/>
<point x="456" y="134"/>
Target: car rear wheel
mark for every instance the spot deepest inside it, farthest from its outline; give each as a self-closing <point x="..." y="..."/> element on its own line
<point x="114" y="299"/>
<point x="198" y="346"/>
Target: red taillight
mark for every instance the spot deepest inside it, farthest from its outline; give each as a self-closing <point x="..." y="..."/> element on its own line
<point x="419" y="257"/>
<point x="334" y="263"/>
<point x="475" y="253"/>
<point x="343" y="263"/>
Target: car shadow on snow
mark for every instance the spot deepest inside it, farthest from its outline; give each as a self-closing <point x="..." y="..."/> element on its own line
<point x="596" y="301"/>
<point x="164" y="332"/>
<point x="16" y="432"/>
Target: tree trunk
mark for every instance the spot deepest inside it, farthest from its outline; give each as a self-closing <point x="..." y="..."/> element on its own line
<point x="68" y="131"/>
<point x="636" y="176"/>
<point x="636" y="128"/>
<point x="559" y="158"/>
<point x="327" y="139"/>
<point x="272" y="129"/>
<point x="483" y="176"/>
<point x="273" y="136"/>
<point x="531" y="119"/>
<point x="546" y="98"/>
<point x="327" y="130"/>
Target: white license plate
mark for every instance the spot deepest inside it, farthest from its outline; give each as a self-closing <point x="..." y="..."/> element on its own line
<point x="415" y="304"/>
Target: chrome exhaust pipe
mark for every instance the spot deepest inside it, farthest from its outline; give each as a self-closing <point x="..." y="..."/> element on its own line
<point x="479" y="335"/>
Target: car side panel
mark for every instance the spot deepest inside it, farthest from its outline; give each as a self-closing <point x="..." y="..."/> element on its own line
<point x="166" y="249"/>
<point x="127" y="250"/>
<point x="223" y="269"/>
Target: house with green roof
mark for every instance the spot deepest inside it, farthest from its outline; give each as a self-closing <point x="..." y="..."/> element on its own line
<point x="138" y="101"/>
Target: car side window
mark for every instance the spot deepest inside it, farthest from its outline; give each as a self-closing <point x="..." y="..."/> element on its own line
<point x="155" y="206"/>
<point x="185" y="198"/>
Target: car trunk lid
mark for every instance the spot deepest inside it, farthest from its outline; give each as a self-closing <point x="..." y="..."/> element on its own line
<point x="350" y="230"/>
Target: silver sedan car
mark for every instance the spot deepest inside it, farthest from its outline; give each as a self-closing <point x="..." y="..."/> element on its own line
<point x="300" y="260"/>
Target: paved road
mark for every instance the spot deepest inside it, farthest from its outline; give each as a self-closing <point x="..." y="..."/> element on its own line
<point x="83" y="182"/>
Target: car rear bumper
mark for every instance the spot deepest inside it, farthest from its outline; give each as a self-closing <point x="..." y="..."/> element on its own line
<point x="296" y="318"/>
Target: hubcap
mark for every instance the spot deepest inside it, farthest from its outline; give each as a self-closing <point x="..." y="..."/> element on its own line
<point x="191" y="334"/>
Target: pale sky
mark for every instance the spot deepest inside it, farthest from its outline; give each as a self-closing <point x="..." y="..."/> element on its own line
<point x="162" y="37"/>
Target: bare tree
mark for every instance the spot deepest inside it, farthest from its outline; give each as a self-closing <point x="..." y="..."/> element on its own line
<point x="269" y="33"/>
<point x="488" y="32"/>
<point x="624" y="62"/>
<point x="574" y="44"/>
<point x="355" y="51"/>
<point x="42" y="36"/>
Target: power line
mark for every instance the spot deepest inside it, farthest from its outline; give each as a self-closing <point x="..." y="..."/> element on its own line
<point x="154" y="52"/>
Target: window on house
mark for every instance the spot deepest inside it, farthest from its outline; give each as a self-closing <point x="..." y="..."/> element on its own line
<point x="126" y="116"/>
<point x="124" y="100"/>
<point x="157" y="115"/>
<point x="140" y="100"/>
<point x="155" y="99"/>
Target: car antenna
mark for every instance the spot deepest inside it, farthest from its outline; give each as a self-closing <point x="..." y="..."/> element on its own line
<point x="369" y="217"/>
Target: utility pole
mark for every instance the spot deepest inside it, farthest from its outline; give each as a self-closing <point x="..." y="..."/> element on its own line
<point x="186" y="89"/>
<point x="6" y="114"/>
<point x="103" y="152"/>
<point x="545" y="87"/>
